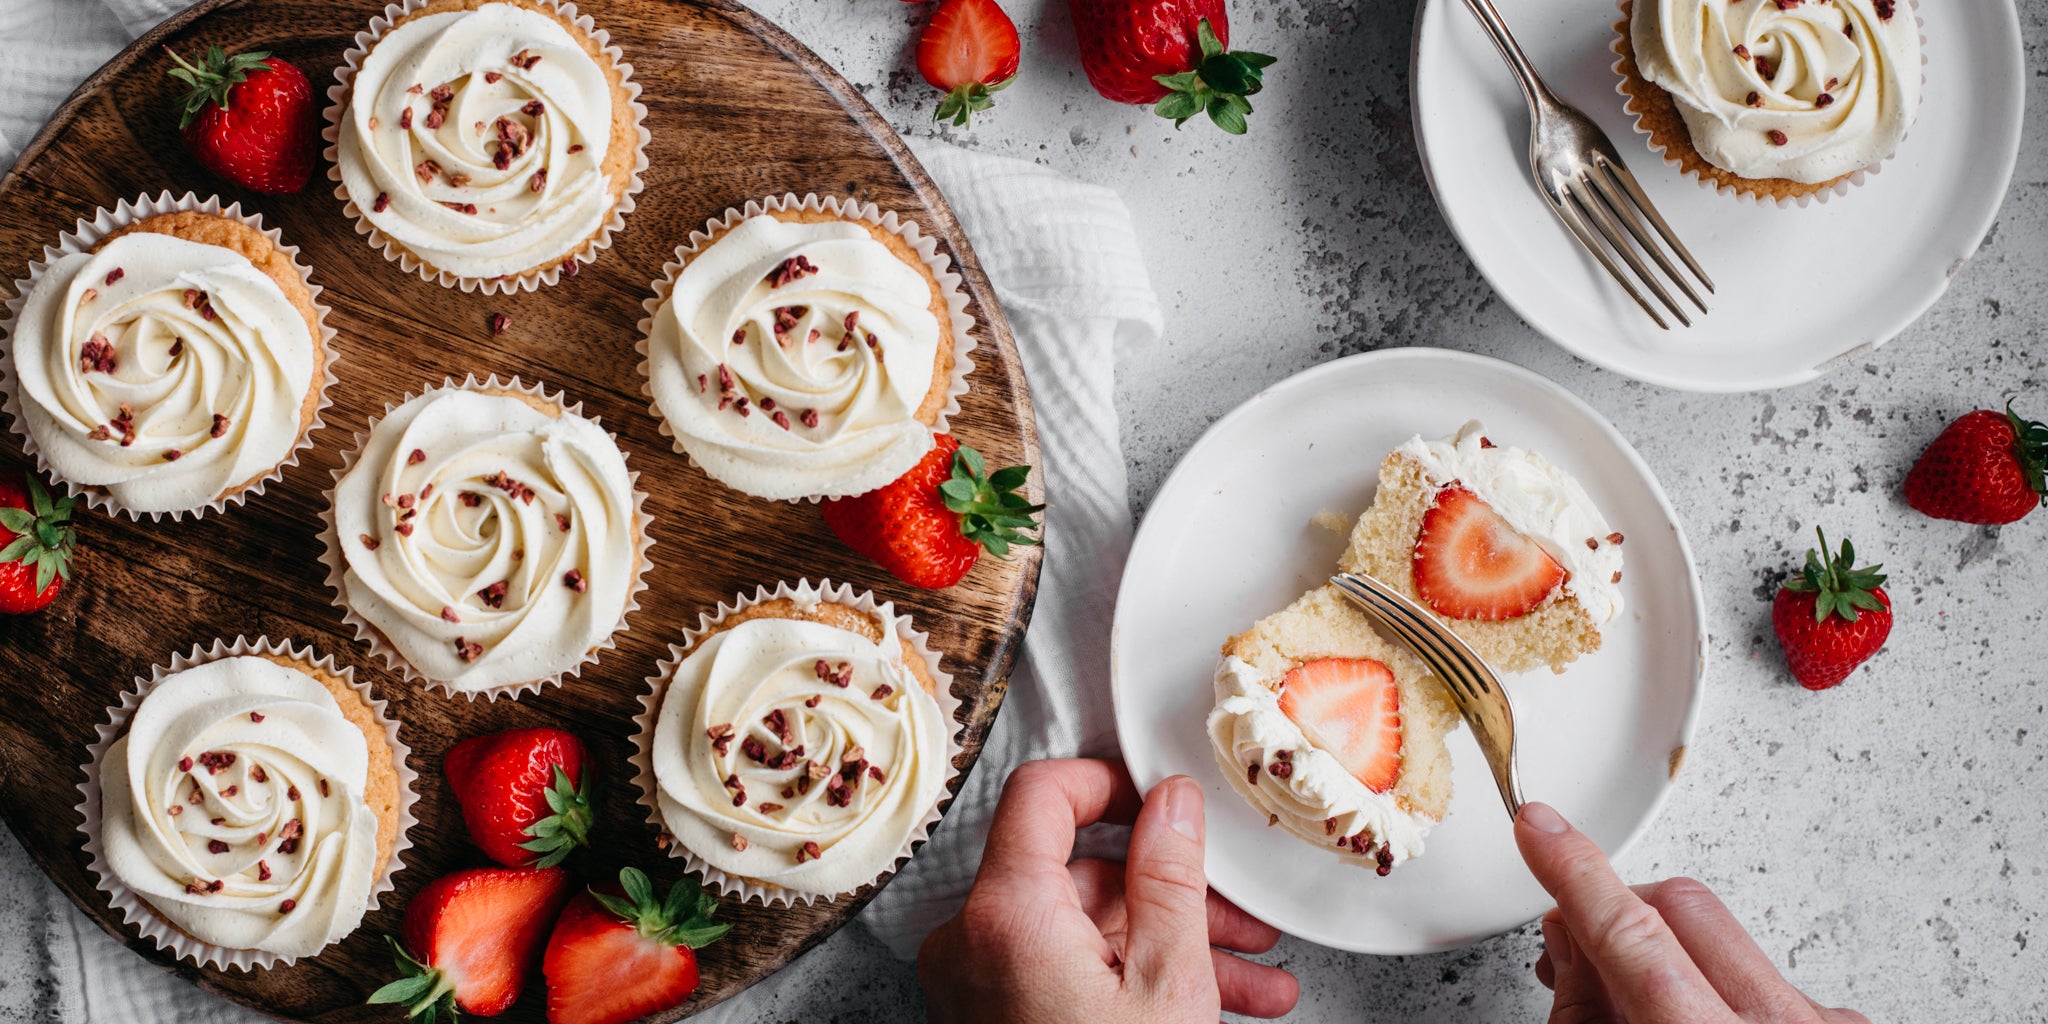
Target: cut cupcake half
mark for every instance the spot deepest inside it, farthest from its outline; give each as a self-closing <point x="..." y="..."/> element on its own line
<point x="1334" y="734"/>
<point x="1506" y="549"/>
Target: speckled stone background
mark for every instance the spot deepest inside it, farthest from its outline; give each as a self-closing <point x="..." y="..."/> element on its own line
<point x="1885" y="841"/>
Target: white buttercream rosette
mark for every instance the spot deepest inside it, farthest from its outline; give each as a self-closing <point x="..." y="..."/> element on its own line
<point x="926" y="246"/>
<point x="529" y="278"/>
<point x="803" y="593"/>
<point x="367" y="632"/>
<point x="1841" y="186"/>
<point x="134" y="909"/>
<point x="90" y="231"/>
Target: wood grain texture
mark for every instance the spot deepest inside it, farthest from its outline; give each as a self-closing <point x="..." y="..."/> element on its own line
<point x="737" y="109"/>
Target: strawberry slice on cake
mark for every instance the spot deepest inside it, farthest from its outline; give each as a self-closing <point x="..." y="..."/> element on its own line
<point x="1507" y="549"/>
<point x="1333" y="733"/>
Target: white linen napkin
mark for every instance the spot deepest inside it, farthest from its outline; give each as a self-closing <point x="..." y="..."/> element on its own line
<point x="1064" y="260"/>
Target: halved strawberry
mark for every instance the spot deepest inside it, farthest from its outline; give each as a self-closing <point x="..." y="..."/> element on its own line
<point x="1470" y="564"/>
<point x="1351" y="709"/>
<point x="622" y="952"/>
<point x="471" y="938"/>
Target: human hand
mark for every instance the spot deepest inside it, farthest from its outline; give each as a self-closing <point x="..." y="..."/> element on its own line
<point x="1666" y="953"/>
<point x="1042" y="940"/>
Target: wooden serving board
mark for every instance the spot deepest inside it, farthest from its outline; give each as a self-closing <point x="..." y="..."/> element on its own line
<point x="737" y="110"/>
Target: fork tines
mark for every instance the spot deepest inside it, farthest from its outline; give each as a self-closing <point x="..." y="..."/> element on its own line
<point x="1601" y="205"/>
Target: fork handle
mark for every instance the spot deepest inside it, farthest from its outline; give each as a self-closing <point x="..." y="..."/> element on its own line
<point x="1534" y="89"/>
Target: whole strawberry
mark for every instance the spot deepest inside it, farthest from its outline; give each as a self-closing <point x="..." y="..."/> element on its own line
<point x="1172" y="53"/>
<point x="1986" y="467"/>
<point x="621" y="952"/>
<point x="969" y="50"/>
<point x="1831" y="617"/>
<point x="36" y="544"/>
<point x="931" y="524"/>
<point x="249" y="118"/>
<point x="524" y="794"/>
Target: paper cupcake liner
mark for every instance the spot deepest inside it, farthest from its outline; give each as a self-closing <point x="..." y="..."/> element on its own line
<point x="1821" y="193"/>
<point x="926" y="246"/>
<point x="134" y="909"/>
<point x="531" y="278"/>
<point x="370" y="635"/>
<point x="747" y="890"/>
<point x="87" y="233"/>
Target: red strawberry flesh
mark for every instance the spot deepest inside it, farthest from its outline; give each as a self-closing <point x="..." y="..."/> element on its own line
<point x="1471" y="564"/>
<point x="1349" y="708"/>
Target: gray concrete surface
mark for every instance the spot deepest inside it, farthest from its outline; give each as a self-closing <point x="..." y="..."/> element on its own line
<point x="1884" y="841"/>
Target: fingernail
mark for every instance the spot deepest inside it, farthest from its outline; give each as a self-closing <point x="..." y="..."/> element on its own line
<point x="1182" y="806"/>
<point x="1543" y="819"/>
<point x="1558" y="943"/>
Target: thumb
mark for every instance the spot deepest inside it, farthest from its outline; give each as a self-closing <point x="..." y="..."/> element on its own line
<point x="1165" y="890"/>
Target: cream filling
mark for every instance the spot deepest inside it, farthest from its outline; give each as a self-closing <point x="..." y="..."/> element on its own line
<point x="234" y="805"/>
<point x="166" y="371"/>
<point x="1314" y="798"/>
<point x="1540" y="501"/>
<point x="797" y="754"/>
<point x="791" y="358"/>
<point x="1809" y="91"/>
<point x="490" y="543"/>
<point x="476" y="140"/>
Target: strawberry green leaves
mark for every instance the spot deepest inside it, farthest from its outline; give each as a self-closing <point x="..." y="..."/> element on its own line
<point x="427" y="993"/>
<point x="991" y="512"/>
<point x="1218" y="85"/>
<point x="210" y="79"/>
<point x="1839" y="586"/>
<point x="44" y="538"/>
<point x="2031" y="438"/>
<point x="682" y="919"/>
<point x="560" y="833"/>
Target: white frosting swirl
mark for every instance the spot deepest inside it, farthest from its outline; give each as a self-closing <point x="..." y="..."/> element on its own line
<point x="492" y="544"/>
<point x="235" y="805"/>
<point x="166" y="371"/>
<point x="797" y="754"/>
<point x="1540" y="502"/>
<point x="476" y="139"/>
<point x="791" y="358"/>
<point x="1315" y="798"/>
<point x="1802" y="89"/>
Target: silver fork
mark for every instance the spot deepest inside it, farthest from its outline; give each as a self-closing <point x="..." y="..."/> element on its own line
<point x="1591" y="190"/>
<point x="1473" y="686"/>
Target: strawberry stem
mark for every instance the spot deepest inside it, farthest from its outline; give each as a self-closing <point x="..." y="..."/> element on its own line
<point x="559" y="834"/>
<point x="683" y="919"/>
<point x="1218" y="84"/>
<point x="1841" y="587"/>
<point x="2030" y="440"/>
<point x="210" y="80"/>
<point x="45" y="539"/>
<point x="991" y="512"/>
<point x="963" y="101"/>
<point x="426" y="992"/>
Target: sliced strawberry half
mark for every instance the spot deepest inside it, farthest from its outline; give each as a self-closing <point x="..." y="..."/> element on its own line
<point x="1351" y="709"/>
<point x="1470" y="564"/>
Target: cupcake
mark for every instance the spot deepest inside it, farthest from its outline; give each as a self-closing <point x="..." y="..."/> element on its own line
<point x="1508" y="550"/>
<point x="485" y="538"/>
<point x="1775" y="99"/>
<point x="798" y="745"/>
<point x="486" y="144"/>
<point x="806" y="349"/>
<point x="170" y="358"/>
<point x="1331" y="733"/>
<point x="246" y="806"/>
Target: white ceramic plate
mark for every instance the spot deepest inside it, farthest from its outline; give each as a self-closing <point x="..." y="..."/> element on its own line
<point x="1229" y="541"/>
<point x="1801" y="290"/>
